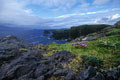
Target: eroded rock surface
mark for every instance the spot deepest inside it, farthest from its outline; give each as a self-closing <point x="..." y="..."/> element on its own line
<point x="32" y="65"/>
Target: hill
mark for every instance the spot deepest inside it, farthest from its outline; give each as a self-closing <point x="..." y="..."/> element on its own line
<point x="77" y="31"/>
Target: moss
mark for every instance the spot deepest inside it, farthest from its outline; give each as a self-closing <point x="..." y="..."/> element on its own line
<point x="75" y="64"/>
<point x="23" y="49"/>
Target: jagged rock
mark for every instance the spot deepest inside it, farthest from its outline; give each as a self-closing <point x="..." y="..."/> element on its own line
<point x="117" y="25"/>
<point x="71" y="76"/>
<point x="32" y="65"/>
<point x="61" y="72"/>
<point x="98" y="76"/>
<point x="41" y="78"/>
<point x="87" y="73"/>
<point x="12" y="42"/>
<point x="63" y="56"/>
<point x="113" y="75"/>
<point x="8" y="55"/>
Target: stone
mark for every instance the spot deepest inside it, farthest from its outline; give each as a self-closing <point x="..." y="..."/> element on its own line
<point x="41" y="78"/>
<point x="87" y="73"/>
<point x="89" y="38"/>
<point x="98" y="76"/>
<point x="61" y="72"/>
<point x="62" y="56"/>
<point x="113" y="75"/>
<point x="117" y="25"/>
<point x="71" y="76"/>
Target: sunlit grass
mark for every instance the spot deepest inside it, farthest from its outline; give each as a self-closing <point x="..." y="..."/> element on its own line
<point x="107" y="54"/>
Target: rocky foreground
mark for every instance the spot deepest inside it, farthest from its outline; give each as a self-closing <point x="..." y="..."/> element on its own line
<point x="16" y="63"/>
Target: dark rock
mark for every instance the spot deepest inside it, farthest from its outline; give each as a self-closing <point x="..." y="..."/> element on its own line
<point x="61" y="72"/>
<point x="98" y="76"/>
<point x="113" y="75"/>
<point x="41" y="78"/>
<point x="117" y="25"/>
<point x="43" y="69"/>
<point x="30" y="65"/>
<point x="87" y="73"/>
<point x="16" y="72"/>
<point x="71" y="76"/>
<point x="12" y="42"/>
<point x="63" y="56"/>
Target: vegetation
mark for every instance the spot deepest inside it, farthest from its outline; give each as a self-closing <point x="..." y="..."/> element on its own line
<point x="113" y="31"/>
<point x="103" y="52"/>
<point x="77" y="31"/>
<point x="117" y="25"/>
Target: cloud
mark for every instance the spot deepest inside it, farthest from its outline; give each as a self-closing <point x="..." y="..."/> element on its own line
<point x="13" y="12"/>
<point x="109" y="20"/>
<point x="115" y="16"/>
<point x="21" y="13"/>
<point x="63" y="5"/>
<point x="100" y="2"/>
<point x="89" y="13"/>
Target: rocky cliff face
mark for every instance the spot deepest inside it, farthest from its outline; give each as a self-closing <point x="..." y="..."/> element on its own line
<point x="32" y="65"/>
<point x="117" y="25"/>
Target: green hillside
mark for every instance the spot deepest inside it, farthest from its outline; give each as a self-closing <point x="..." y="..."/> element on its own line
<point x="103" y="52"/>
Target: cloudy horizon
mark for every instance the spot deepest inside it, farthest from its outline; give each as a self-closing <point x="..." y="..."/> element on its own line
<point x="54" y="14"/>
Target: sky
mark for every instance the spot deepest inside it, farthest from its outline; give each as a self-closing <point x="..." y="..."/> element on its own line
<point x="56" y="14"/>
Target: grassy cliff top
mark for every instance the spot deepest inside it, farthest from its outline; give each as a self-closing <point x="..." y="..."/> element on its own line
<point x="105" y="48"/>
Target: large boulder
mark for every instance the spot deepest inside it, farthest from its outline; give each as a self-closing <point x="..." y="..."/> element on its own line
<point x="113" y="75"/>
<point x="98" y="76"/>
<point x="87" y="73"/>
<point x="9" y="48"/>
<point x="34" y="66"/>
<point x="12" y="42"/>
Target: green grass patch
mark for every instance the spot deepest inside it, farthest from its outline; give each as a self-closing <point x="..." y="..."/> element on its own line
<point x="110" y="55"/>
<point x="113" y="31"/>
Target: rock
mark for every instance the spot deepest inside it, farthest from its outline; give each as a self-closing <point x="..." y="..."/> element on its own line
<point x="43" y="69"/>
<point x="98" y="76"/>
<point x="62" y="56"/>
<point x="113" y="75"/>
<point x="20" y="66"/>
<point x="87" y="73"/>
<point x="78" y="39"/>
<point x="12" y="42"/>
<point x="41" y="78"/>
<point x="89" y="38"/>
<point x="71" y="76"/>
<point x="17" y="71"/>
<point x="61" y="72"/>
<point x="117" y="25"/>
<point x="30" y="65"/>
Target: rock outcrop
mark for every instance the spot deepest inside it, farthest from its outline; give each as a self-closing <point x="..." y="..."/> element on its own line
<point x="117" y="25"/>
<point x="32" y="65"/>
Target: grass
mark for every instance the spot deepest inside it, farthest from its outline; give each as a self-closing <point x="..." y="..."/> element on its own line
<point x="109" y="54"/>
<point x="113" y="31"/>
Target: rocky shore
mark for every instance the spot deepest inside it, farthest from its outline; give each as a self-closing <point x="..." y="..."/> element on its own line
<point x="16" y="63"/>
